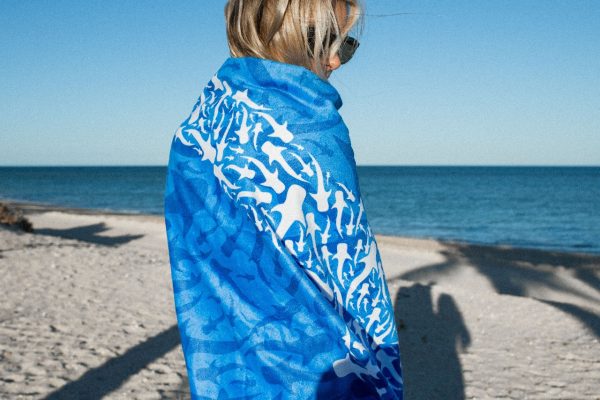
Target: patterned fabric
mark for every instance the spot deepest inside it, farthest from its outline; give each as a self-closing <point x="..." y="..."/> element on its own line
<point x="278" y="282"/>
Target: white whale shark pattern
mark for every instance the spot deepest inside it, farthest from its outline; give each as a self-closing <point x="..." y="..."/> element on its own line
<point x="301" y="193"/>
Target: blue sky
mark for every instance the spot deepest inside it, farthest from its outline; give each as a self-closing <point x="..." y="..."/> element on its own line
<point x="513" y="82"/>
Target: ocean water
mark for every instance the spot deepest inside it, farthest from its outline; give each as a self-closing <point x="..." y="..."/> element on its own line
<point x="555" y="208"/>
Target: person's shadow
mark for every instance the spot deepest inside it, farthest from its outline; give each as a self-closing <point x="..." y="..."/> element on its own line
<point x="429" y="344"/>
<point x="430" y="341"/>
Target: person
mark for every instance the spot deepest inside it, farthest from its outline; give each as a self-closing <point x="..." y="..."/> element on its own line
<point x="278" y="283"/>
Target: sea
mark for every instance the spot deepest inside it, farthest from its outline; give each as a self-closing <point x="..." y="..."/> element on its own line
<point x="550" y="208"/>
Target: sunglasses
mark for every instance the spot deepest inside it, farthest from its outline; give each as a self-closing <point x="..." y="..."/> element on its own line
<point x="346" y="50"/>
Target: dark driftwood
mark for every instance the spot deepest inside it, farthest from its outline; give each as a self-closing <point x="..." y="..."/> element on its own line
<point x="13" y="216"/>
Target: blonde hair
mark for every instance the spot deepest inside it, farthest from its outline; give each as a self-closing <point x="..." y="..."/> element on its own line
<point x="281" y="30"/>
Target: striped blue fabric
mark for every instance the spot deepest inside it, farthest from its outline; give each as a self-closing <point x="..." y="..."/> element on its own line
<point x="278" y="283"/>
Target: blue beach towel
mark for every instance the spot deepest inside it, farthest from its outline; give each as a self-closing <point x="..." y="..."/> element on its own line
<point x="278" y="282"/>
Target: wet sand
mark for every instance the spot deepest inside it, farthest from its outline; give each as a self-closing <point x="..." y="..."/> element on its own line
<point x="87" y="313"/>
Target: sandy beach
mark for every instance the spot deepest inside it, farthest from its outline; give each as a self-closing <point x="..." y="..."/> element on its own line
<point x="87" y="313"/>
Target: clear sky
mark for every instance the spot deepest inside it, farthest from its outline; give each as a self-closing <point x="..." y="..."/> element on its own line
<point x="512" y="82"/>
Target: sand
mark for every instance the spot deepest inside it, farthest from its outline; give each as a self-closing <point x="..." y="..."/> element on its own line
<point x="87" y="312"/>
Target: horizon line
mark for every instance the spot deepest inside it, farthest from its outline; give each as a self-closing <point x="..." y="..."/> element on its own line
<point x="358" y="165"/>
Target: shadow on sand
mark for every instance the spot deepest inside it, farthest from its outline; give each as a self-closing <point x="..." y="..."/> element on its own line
<point x="517" y="272"/>
<point x="101" y="381"/>
<point x="430" y="341"/>
<point x="90" y="234"/>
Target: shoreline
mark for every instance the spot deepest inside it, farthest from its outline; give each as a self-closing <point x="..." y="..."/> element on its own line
<point x="38" y="207"/>
<point x="35" y="206"/>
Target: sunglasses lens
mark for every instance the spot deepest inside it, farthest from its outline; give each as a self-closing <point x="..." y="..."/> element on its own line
<point x="347" y="49"/>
